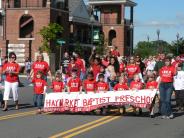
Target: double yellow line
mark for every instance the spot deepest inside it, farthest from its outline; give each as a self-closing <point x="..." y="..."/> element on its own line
<point x="6" y="117"/>
<point x="86" y="127"/>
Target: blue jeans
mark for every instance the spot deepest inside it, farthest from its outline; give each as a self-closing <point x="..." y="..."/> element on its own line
<point x="166" y="90"/>
<point x="129" y="81"/>
<point x="38" y="100"/>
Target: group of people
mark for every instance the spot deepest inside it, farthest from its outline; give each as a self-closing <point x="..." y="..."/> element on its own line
<point x="103" y="73"/>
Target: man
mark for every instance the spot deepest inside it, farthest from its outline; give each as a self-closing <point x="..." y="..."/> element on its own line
<point x="159" y="64"/>
<point x="64" y="62"/>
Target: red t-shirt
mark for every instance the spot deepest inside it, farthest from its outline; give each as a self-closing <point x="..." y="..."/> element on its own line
<point x="132" y="70"/>
<point x="74" y="84"/>
<point x="136" y="85"/>
<point x="39" y="85"/>
<point x="151" y="85"/>
<point x="11" y="67"/>
<point x="121" y="87"/>
<point x="167" y="73"/>
<point x="121" y="67"/>
<point x="115" y="53"/>
<point x="95" y="69"/>
<point x="89" y="85"/>
<point x="40" y="66"/>
<point x="80" y="64"/>
<point x="71" y="67"/>
<point x="102" y="86"/>
<point x="57" y="86"/>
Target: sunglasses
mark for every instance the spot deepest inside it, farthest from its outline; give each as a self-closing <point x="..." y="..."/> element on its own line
<point x="13" y="57"/>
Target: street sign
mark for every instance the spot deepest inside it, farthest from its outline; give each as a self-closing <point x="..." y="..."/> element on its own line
<point x="61" y="42"/>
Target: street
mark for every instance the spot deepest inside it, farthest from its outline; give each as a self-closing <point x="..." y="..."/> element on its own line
<point x="24" y="123"/>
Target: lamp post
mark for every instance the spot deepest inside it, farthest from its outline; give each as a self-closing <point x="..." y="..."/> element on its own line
<point x="148" y="38"/>
<point x="177" y="36"/>
<point x="131" y="38"/>
<point x="158" y="39"/>
<point x="92" y="19"/>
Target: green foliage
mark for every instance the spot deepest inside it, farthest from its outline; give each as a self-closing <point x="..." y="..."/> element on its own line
<point x="49" y="33"/>
<point x="100" y="48"/>
<point x="79" y="49"/>
<point x="178" y="46"/>
<point x="144" y="48"/>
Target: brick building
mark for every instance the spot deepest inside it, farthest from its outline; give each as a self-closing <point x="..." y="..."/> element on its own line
<point x="117" y="28"/>
<point x="21" y="20"/>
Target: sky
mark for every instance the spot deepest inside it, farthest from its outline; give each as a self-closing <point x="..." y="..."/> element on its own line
<point x="151" y="15"/>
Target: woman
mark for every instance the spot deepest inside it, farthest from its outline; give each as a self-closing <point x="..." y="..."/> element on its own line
<point x="71" y="66"/>
<point x="132" y="69"/>
<point x="41" y="65"/>
<point x="113" y="67"/>
<point x="166" y="74"/>
<point x="11" y="70"/>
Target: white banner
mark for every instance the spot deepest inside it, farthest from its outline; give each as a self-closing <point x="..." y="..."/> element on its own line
<point x="76" y="102"/>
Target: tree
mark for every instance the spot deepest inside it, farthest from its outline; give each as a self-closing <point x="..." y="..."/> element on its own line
<point x="49" y="33"/>
<point x="178" y="45"/>
<point x="100" y="48"/>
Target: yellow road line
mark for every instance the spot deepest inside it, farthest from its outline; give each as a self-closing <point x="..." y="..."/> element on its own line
<point x="86" y="125"/>
<point x="91" y="127"/>
<point x="79" y="127"/>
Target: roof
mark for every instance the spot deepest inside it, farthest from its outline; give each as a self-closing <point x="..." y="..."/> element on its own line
<point x="78" y="11"/>
<point x="106" y="2"/>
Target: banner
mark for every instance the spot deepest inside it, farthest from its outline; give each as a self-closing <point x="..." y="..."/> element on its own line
<point x="76" y="102"/>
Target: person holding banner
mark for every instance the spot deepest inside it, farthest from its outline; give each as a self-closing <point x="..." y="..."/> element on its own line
<point x="89" y="84"/>
<point x="136" y="84"/>
<point x="11" y="70"/>
<point x="166" y="74"/>
<point x="40" y="86"/>
<point x="57" y="84"/>
<point x="152" y="84"/>
<point x="121" y="86"/>
<point x="74" y="83"/>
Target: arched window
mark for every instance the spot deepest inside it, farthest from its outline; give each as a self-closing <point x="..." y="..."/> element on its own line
<point x="112" y="35"/>
<point x="26" y="26"/>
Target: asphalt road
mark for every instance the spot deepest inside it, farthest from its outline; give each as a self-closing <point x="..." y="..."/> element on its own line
<point x="24" y="123"/>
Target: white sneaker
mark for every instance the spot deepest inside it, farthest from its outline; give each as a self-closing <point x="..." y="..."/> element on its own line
<point x="163" y="117"/>
<point x="170" y="117"/>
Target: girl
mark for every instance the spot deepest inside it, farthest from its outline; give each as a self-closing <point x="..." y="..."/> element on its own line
<point x="136" y="84"/>
<point x="102" y="86"/>
<point x="11" y="70"/>
<point x="89" y="84"/>
<point x="104" y="72"/>
<point x="40" y="86"/>
<point x="152" y="84"/>
<point x="57" y="84"/>
<point x="74" y="83"/>
<point x="120" y="87"/>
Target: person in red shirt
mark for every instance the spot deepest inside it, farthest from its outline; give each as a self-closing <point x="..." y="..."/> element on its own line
<point x="89" y="84"/>
<point x="74" y="83"/>
<point x="101" y="85"/>
<point x="57" y="84"/>
<point x="166" y="74"/>
<point x="152" y="84"/>
<point x="41" y="65"/>
<point x="11" y="70"/>
<point x="40" y="86"/>
<point x="73" y="66"/>
<point x="121" y="85"/>
<point x="114" y="52"/>
<point x="136" y="84"/>
<point x="132" y="69"/>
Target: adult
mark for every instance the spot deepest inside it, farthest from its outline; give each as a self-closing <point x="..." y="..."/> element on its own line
<point x="141" y="65"/>
<point x="64" y="62"/>
<point x="72" y="66"/>
<point x="41" y="65"/>
<point x="166" y="73"/>
<point x="113" y="67"/>
<point x="114" y="52"/>
<point x="160" y="63"/>
<point x="11" y="70"/>
<point x="132" y="69"/>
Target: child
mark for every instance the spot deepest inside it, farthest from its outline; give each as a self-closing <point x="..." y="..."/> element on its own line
<point x="179" y="87"/>
<point x="152" y="84"/>
<point x="40" y="87"/>
<point x="74" y="83"/>
<point x="57" y="84"/>
<point x="89" y="84"/>
<point x="102" y="86"/>
<point x="136" y="84"/>
<point x="120" y="87"/>
<point x="112" y="82"/>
